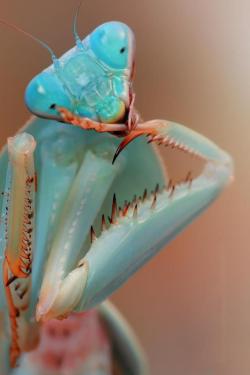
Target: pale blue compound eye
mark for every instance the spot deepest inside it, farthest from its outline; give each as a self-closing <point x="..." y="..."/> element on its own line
<point x="43" y="92"/>
<point x="114" y="44"/>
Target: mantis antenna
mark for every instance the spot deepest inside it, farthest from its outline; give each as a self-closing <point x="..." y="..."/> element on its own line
<point x="43" y="44"/>
<point x="75" y="21"/>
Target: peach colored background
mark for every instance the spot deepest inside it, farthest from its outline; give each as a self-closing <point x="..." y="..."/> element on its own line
<point x="191" y="304"/>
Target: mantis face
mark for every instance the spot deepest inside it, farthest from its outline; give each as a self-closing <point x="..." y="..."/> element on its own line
<point x="93" y="79"/>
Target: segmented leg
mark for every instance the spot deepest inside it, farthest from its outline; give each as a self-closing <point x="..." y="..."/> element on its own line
<point x="133" y="114"/>
<point x="19" y="240"/>
<point x="161" y="131"/>
<point x="88" y="124"/>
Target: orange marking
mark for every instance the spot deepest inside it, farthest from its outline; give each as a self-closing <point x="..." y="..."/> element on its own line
<point x="15" y="268"/>
<point x="15" y="350"/>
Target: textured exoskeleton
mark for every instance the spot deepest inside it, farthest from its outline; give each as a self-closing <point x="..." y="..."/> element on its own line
<point x="75" y="226"/>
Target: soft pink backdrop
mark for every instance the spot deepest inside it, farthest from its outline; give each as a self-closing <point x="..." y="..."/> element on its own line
<point x="191" y="304"/>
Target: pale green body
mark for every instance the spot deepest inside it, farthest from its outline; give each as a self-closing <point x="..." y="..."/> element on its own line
<point x="76" y="183"/>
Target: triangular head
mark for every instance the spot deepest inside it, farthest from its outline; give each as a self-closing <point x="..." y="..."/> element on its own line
<point x="93" y="79"/>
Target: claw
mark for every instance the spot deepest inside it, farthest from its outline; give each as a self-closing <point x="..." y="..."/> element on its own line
<point x="137" y="236"/>
<point x="129" y="138"/>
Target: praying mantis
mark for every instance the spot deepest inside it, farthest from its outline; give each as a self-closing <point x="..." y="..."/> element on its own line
<point x="77" y="221"/>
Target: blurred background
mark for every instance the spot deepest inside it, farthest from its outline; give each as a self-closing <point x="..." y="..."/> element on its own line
<point x="190" y="305"/>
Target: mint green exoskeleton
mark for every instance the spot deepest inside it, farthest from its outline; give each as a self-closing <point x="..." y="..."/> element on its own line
<point x="75" y="226"/>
